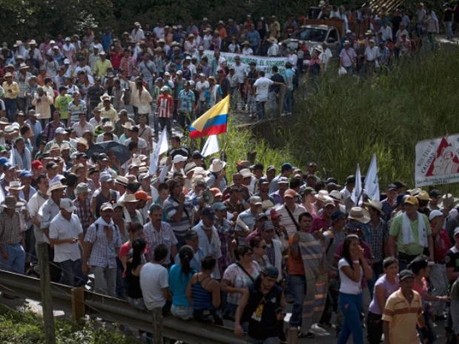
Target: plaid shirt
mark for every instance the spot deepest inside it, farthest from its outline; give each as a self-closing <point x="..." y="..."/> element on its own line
<point x="104" y="252"/>
<point x="376" y="238"/>
<point x="83" y="210"/>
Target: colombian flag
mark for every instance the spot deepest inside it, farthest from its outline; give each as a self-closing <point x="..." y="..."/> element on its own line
<point x="213" y="122"/>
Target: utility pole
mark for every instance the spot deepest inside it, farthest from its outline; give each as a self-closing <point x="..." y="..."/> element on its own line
<point x="46" y="298"/>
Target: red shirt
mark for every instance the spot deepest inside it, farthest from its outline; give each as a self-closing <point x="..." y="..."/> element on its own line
<point x="441" y="245"/>
<point x="165" y="104"/>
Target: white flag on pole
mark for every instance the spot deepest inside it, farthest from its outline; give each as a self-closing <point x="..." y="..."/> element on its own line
<point x="357" y="193"/>
<point x="371" y="180"/>
<point x="161" y="147"/>
<point x="163" y="142"/>
<point x="211" y="146"/>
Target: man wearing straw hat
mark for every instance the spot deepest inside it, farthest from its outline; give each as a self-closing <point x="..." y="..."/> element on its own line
<point x="12" y="227"/>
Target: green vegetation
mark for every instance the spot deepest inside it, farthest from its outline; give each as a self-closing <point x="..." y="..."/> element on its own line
<point x="350" y="119"/>
<point x="26" y="328"/>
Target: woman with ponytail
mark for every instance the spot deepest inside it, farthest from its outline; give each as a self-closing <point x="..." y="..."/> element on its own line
<point x="179" y="276"/>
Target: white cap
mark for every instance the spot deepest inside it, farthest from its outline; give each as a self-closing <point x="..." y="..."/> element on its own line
<point x="179" y="158"/>
<point x="67" y="205"/>
<point x="435" y="213"/>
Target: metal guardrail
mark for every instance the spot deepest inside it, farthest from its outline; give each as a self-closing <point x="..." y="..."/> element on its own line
<point x="119" y="311"/>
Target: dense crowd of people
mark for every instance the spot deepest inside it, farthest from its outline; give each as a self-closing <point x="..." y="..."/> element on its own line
<point x="189" y="239"/>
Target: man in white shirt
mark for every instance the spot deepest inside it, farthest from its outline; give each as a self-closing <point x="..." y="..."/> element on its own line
<point x="261" y="96"/>
<point x="154" y="282"/>
<point x="66" y="233"/>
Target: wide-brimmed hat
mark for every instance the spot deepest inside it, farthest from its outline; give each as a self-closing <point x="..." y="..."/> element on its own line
<point x="322" y="195"/>
<point x="14" y="185"/>
<point x="128" y="125"/>
<point x="10" y="202"/>
<point x="217" y="165"/>
<point x="130" y="198"/>
<point x="55" y="186"/>
<point x="105" y="96"/>
<point x="359" y="214"/>
<point x="375" y="205"/>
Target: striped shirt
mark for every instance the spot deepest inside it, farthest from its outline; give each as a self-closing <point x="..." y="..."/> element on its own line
<point x="165" y="105"/>
<point x="402" y="317"/>
<point x="170" y="209"/>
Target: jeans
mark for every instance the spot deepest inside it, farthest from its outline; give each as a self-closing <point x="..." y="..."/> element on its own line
<point x="11" y="107"/>
<point x="104" y="280"/>
<point x="70" y="270"/>
<point x="374" y="328"/>
<point x="288" y="101"/>
<point x="351" y="307"/>
<point x="261" y="110"/>
<point x="297" y="290"/>
<point x="16" y="258"/>
<point x="449" y="30"/>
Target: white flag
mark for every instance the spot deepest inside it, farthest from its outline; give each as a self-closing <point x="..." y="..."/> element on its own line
<point x="357" y="193"/>
<point x="12" y="157"/>
<point x="163" y="142"/>
<point x="371" y="180"/>
<point x="211" y="146"/>
<point x="161" y="147"/>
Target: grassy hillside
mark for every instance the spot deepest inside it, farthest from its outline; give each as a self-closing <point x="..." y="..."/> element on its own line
<point x="350" y="119"/>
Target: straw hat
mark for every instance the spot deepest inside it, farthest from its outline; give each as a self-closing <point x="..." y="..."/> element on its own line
<point x="55" y="186"/>
<point x="14" y="185"/>
<point x="11" y="202"/>
<point x="217" y="165"/>
<point x="375" y="205"/>
<point x="359" y="214"/>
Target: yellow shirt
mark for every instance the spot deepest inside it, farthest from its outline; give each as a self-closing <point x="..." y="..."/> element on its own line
<point x="101" y="67"/>
<point x="402" y="317"/>
<point x="11" y="90"/>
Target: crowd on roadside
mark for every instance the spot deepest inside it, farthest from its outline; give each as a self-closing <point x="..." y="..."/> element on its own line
<point x="135" y="67"/>
<point x="199" y="244"/>
<point x="207" y="245"/>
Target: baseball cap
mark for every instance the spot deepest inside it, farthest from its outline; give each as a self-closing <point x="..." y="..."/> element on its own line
<point x="270" y="271"/>
<point x="435" y="193"/>
<point x="290" y="193"/>
<point x="105" y="177"/>
<point x="255" y="200"/>
<point x="218" y="206"/>
<point x="106" y="206"/>
<point x="208" y="212"/>
<point x="282" y="180"/>
<point x="411" y="200"/>
<point x="36" y="164"/>
<point x="142" y="196"/>
<point x="456" y="231"/>
<point x="25" y="174"/>
<point x="179" y="158"/>
<point x="338" y="215"/>
<point x="405" y="274"/>
<point x="435" y="213"/>
<point x="67" y="205"/>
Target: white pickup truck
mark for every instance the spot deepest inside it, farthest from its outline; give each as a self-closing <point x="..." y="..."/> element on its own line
<point x="313" y="35"/>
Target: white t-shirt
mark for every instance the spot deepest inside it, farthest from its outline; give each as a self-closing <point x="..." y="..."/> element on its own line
<point x="153" y="278"/>
<point x="60" y="228"/>
<point x="262" y="84"/>
<point x="348" y="286"/>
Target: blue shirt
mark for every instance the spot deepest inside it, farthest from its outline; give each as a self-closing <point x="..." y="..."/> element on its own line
<point x="177" y="284"/>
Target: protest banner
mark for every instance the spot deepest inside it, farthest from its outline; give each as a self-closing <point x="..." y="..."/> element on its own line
<point x="437" y="161"/>
<point x="264" y="63"/>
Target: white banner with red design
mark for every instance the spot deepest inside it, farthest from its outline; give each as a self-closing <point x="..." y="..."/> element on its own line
<point x="437" y="161"/>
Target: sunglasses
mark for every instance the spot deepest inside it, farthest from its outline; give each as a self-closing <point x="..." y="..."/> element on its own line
<point x="263" y="247"/>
